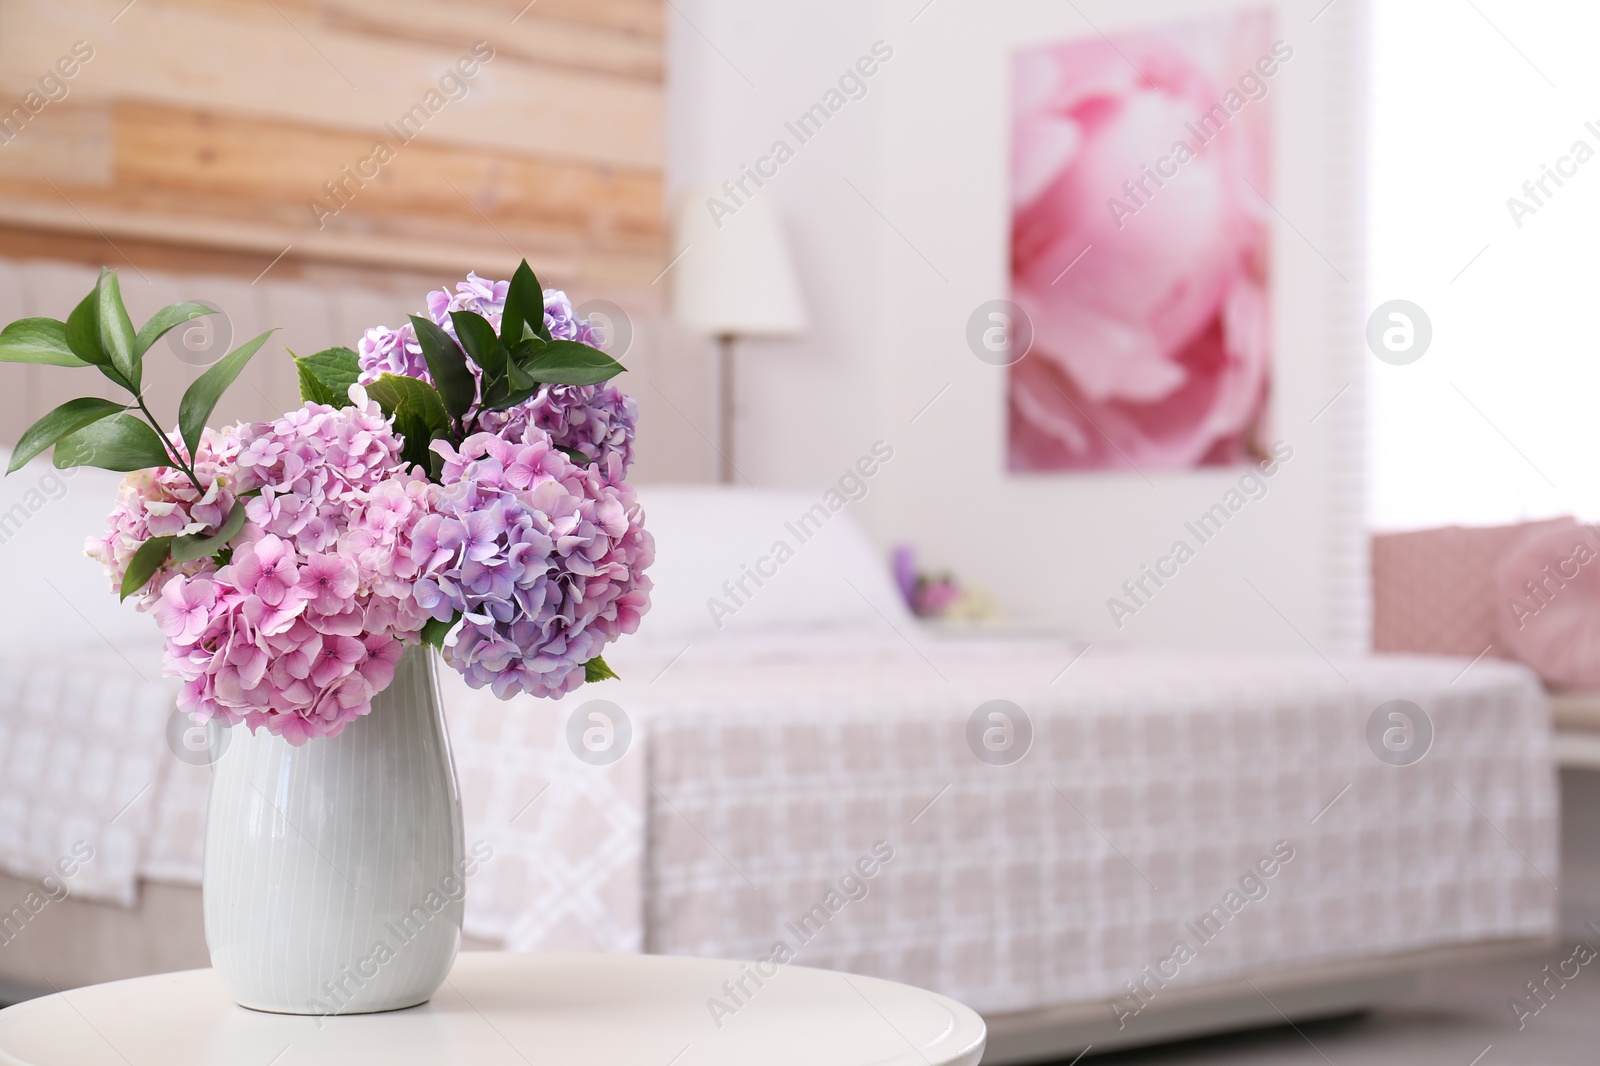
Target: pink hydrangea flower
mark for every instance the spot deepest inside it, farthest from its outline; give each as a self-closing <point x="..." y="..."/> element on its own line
<point x="184" y="608"/>
<point x="164" y="503"/>
<point x="305" y="623"/>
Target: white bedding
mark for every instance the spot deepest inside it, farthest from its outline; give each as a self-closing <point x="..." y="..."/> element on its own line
<point x="765" y="766"/>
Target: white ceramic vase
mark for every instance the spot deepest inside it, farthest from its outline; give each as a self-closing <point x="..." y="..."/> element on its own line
<point x="334" y="872"/>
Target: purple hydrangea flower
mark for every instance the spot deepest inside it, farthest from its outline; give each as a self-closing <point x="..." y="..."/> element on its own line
<point x="565" y="325"/>
<point x="543" y="559"/>
<point x="487" y="298"/>
<point x="382" y="350"/>
<point x="597" y="421"/>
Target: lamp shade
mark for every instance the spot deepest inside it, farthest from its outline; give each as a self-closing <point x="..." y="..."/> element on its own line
<point x="734" y="276"/>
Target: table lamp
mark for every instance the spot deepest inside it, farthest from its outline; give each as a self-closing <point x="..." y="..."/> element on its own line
<point x="734" y="278"/>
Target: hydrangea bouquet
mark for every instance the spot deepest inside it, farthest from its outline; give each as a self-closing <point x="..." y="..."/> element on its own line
<point x="459" y="481"/>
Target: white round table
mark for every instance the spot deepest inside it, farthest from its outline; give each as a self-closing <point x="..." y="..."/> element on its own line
<point x="593" y="1010"/>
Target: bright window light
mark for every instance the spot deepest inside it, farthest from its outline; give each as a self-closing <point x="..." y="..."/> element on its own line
<point x="1475" y="102"/>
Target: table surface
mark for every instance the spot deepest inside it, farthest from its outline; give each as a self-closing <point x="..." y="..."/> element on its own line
<point x="597" y="1010"/>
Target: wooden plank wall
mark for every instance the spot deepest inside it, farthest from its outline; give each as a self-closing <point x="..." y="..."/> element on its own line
<point x="222" y="123"/>
<point x="189" y="148"/>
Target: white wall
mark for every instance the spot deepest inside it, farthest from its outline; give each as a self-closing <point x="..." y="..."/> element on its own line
<point x="737" y="73"/>
<point x="894" y="266"/>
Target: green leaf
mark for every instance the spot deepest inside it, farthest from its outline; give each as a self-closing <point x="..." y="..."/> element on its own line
<point x="120" y="442"/>
<point x="493" y="393"/>
<point x="414" y="438"/>
<point x="418" y="413"/>
<point x="447" y="364"/>
<point x="200" y="398"/>
<point x="395" y="393"/>
<point x="597" y="670"/>
<point x="524" y="305"/>
<point x="196" y="546"/>
<point x="434" y="631"/>
<point x="312" y="388"/>
<point x="144" y="564"/>
<point x="575" y="455"/>
<point x="478" y="338"/>
<point x="68" y="418"/>
<point x="164" y="321"/>
<point x="520" y="379"/>
<point x="116" y="328"/>
<point x="326" y="376"/>
<point x="571" y="363"/>
<point x="37" y="340"/>
<point x="511" y="399"/>
<point x="83" y="331"/>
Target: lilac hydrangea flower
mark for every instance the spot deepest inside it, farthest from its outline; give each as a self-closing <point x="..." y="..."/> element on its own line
<point x="346" y="551"/>
<point x="597" y="421"/>
<point x="487" y="298"/>
<point x="382" y="350"/>
<point x="565" y="325"/>
<point x="544" y="560"/>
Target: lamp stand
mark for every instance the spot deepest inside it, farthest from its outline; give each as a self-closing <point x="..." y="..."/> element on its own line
<point x="725" y="419"/>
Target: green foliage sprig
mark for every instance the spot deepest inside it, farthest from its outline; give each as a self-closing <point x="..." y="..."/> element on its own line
<point x="91" y="431"/>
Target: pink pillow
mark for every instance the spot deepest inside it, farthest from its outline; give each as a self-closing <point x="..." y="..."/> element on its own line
<point x="1547" y="609"/>
<point x="1433" y="590"/>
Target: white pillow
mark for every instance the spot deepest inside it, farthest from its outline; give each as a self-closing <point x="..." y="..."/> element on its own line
<point x="57" y="601"/>
<point x="752" y="560"/>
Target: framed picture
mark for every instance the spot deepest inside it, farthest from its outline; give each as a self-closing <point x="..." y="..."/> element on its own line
<point x="1140" y="239"/>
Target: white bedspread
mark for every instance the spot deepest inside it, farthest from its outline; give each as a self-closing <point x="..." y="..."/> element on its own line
<point x="82" y="758"/>
<point x="760" y="773"/>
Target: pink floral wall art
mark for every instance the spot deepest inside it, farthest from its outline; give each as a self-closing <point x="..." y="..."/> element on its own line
<point x="1140" y="235"/>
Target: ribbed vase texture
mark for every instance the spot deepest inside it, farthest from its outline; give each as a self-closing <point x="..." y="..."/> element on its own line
<point x="334" y="873"/>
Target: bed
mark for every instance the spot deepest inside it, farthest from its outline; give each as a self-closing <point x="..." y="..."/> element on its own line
<point x="795" y="767"/>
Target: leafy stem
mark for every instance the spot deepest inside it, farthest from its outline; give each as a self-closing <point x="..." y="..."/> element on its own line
<point x="172" y="452"/>
<point x="93" y="431"/>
